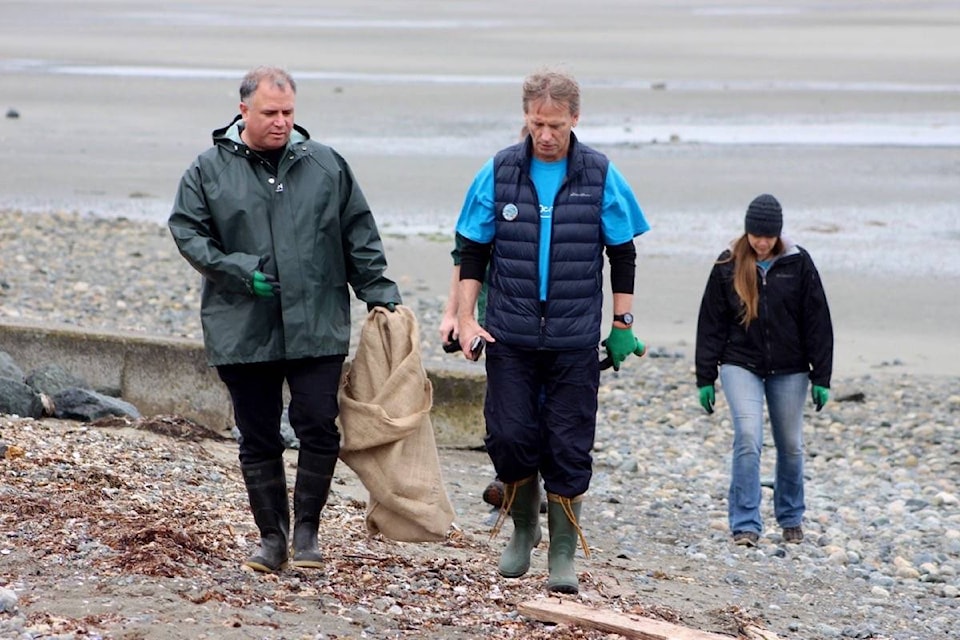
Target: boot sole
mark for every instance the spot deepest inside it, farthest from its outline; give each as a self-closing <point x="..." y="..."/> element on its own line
<point x="307" y="564"/>
<point x="564" y="588"/>
<point x="262" y="568"/>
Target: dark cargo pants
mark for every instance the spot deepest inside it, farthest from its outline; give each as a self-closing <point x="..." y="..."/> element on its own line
<point x="256" y="390"/>
<point x="552" y="434"/>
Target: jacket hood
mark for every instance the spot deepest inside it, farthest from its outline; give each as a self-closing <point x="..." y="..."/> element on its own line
<point x="231" y="133"/>
<point x="790" y="248"/>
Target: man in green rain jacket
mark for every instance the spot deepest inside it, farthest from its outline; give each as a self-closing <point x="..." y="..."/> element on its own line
<point x="278" y="227"/>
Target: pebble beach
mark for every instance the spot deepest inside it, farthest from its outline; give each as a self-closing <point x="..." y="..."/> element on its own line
<point x="881" y="558"/>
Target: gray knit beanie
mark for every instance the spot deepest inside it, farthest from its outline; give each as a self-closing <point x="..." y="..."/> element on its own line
<point x="764" y="217"/>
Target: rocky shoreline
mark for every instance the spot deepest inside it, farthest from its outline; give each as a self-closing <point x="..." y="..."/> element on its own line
<point x="881" y="558"/>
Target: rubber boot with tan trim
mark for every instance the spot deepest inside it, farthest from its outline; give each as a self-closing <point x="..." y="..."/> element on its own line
<point x="267" y="490"/>
<point x="522" y="502"/>
<point x="563" y="521"/>
<point x="314" y="474"/>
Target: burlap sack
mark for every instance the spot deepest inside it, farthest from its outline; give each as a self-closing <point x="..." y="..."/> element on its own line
<point x="385" y="400"/>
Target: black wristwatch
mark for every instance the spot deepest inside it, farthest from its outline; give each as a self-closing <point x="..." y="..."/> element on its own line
<point x="625" y="318"/>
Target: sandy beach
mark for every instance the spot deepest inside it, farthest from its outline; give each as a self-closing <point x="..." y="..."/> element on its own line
<point x="850" y="115"/>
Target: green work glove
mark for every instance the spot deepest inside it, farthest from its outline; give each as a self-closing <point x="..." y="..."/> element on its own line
<point x="708" y="398"/>
<point x="621" y="343"/>
<point x="820" y="396"/>
<point x="264" y="285"/>
<point x="389" y="306"/>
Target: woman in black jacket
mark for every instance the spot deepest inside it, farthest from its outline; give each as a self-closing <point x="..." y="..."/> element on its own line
<point x="765" y="324"/>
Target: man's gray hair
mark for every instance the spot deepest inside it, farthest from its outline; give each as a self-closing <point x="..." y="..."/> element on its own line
<point x="279" y="77"/>
<point x="553" y="85"/>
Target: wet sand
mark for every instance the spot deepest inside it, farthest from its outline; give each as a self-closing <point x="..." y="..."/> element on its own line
<point x="847" y="113"/>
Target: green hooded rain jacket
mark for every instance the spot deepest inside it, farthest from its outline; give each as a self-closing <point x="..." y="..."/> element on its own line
<point x="308" y="224"/>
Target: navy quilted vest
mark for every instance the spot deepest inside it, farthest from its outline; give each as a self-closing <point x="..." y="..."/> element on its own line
<point x="570" y="318"/>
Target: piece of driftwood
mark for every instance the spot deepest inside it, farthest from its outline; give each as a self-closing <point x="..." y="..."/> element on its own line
<point x="628" y="625"/>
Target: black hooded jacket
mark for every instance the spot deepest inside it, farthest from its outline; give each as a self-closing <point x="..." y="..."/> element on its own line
<point x="793" y="332"/>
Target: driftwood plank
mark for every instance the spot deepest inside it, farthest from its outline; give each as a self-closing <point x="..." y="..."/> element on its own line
<point x="625" y="624"/>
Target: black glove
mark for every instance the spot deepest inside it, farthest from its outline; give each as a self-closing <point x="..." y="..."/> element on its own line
<point x="389" y="306"/>
<point x="452" y="345"/>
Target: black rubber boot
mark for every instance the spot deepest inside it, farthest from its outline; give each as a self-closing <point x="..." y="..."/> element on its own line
<point x="314" y="474"/>
<point x="522" y="500"/>
<point x="267" y="490"/>
<point x="563" y="521"/>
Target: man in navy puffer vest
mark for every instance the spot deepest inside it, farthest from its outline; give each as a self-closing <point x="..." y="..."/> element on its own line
<point x="541" y="213"/>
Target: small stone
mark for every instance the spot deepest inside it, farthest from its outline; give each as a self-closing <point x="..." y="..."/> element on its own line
<point x="946" y="499"/>
<point x="908" y="572"/>
<point x="8" y="600"/>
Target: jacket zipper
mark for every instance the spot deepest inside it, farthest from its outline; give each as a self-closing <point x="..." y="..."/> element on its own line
<point x="766" y="332"/>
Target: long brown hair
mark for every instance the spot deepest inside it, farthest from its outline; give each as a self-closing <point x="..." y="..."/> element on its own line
<point x="744" y="260"/>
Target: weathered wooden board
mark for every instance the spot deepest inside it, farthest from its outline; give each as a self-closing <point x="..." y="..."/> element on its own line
<point x="628" y="625"/>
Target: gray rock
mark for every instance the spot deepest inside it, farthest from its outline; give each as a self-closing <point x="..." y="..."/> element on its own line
<point x="86" y="405"/>
<point x="51" y="379"/>
<point x="19" y="399"/>
<point x="287" y="434"/>
<point x="9" y="368"/>
<point x="8" y="601"/>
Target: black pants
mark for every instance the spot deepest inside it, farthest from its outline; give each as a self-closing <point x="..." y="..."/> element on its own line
<point x="257" y="393"/>
<point x="541" y="415"/>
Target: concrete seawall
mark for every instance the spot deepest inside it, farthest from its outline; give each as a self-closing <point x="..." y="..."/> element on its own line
<point x="170" y="376"/>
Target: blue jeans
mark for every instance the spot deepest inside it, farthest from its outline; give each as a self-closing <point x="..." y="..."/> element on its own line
<point x="785" y="396"/>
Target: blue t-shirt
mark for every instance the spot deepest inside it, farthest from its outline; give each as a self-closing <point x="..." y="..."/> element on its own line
<point x="621" y="218"/>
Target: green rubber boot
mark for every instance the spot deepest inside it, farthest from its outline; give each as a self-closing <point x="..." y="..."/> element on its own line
<point x="314" y="474"/>
<point x="522" y="501"/>
<point x="267" y="491"/>
<point x="563" y="521"/>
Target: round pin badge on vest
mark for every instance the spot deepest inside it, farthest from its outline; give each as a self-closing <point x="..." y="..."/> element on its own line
<point x="510" y="212"/>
